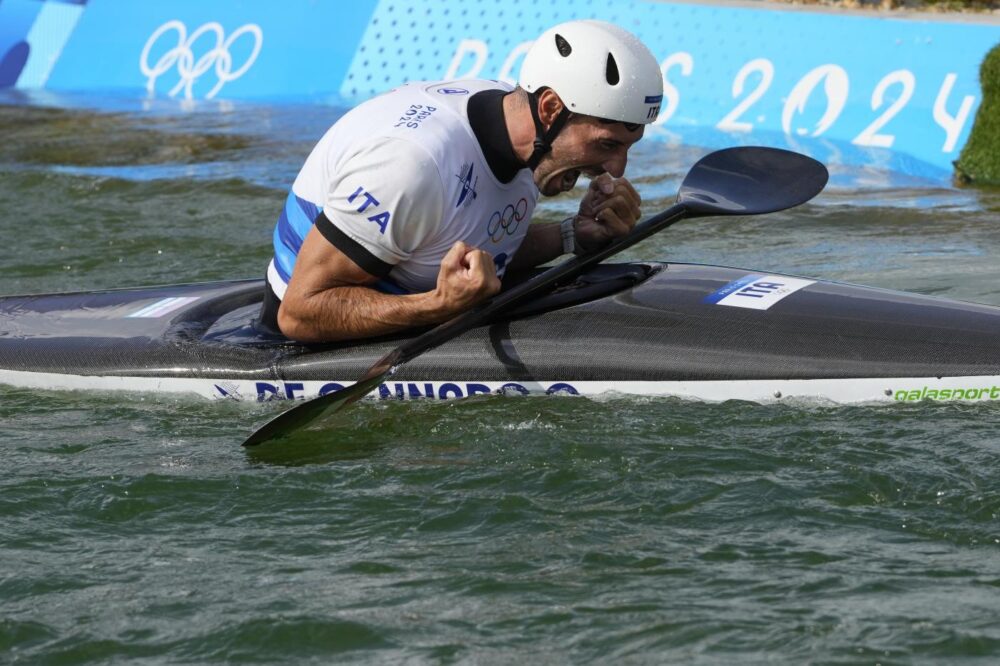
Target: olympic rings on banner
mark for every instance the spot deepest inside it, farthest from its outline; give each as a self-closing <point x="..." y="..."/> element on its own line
<point x="189" y="69"/>
<point x="506" y="222"/>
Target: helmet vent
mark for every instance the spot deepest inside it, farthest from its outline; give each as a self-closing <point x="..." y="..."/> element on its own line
<point x="611" y="72"/>
<point x="563" y="46"/>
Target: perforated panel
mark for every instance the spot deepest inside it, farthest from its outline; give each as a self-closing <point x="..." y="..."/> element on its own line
<point x="407" y="42"/>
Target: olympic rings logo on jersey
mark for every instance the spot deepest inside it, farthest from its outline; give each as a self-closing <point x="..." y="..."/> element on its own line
<point x="189" y="69"/>
<point x="505" y="223"/>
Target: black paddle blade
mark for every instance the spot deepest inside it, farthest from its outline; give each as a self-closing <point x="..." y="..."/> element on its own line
<point x="313" y="413"/>
<point x="749" y="181"/>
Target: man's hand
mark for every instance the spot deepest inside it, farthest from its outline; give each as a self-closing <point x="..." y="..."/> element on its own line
<point x="467" y="276"/>
<point x="609" y="209"/>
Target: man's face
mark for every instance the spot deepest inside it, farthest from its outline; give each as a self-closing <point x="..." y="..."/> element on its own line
<point x="585" y="146"/>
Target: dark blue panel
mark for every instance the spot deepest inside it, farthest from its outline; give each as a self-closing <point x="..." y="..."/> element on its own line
<point x="12" y="63"/>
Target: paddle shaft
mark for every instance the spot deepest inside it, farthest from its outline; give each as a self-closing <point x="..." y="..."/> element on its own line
<point x="524" y="291"/>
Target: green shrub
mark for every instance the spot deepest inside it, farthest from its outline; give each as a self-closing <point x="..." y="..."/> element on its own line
<point x="980" y="158"/>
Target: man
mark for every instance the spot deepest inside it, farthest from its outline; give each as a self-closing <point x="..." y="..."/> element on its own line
<point x="414" y="204"/>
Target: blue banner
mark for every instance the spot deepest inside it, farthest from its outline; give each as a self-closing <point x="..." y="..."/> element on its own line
<point x="847" y="88"/>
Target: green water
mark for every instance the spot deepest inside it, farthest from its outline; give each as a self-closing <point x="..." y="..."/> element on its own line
<point x="135" y="529"/>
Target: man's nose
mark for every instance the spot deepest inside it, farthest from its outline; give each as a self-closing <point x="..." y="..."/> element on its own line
<point x="616" y="165"/>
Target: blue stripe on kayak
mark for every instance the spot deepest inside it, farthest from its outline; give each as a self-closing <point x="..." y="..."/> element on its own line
<point x="735" y="285"/>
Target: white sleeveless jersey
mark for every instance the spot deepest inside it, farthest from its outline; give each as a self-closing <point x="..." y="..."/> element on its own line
<point x="403" y="177"/>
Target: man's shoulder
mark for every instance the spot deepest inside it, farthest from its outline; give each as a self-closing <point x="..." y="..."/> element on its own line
<point x="419" y="130"/>
<point x="445" y="93"/>
<point x="418" y="104"/>
<point x="428" y="117"/>
<point x="398" y="158"/>
<point x="459" y="88"/>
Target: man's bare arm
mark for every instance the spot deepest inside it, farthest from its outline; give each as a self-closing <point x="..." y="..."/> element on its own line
<point x="329" y="297"/>
<point x="543" y="243"/>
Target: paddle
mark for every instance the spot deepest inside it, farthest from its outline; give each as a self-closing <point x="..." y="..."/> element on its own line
<point x="734" y="181"/>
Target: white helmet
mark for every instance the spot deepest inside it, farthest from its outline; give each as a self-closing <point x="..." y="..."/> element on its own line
<point x="597" y="69"/>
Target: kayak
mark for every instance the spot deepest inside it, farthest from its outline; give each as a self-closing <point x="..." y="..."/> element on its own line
<point x="695" y="331"/>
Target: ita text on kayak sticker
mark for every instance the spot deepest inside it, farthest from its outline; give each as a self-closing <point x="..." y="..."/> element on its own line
<point x="757" y="292"/>
<point x="163" y="307"/>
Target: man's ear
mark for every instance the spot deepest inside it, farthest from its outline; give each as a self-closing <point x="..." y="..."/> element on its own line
<point x="549" y="106"/>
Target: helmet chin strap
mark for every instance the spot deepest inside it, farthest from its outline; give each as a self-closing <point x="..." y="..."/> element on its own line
<point x="543" y="138"/>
